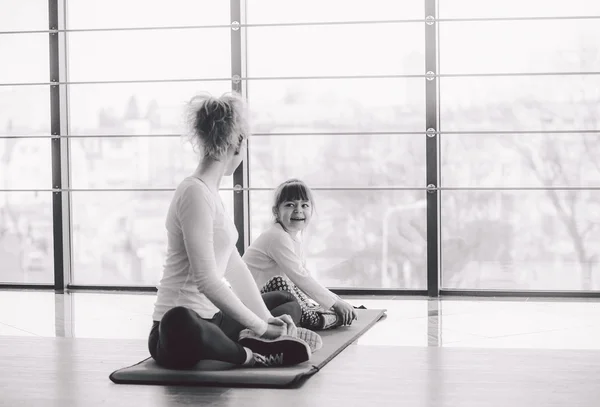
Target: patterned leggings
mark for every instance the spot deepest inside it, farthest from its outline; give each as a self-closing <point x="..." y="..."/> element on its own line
<point x="312" y="314"/>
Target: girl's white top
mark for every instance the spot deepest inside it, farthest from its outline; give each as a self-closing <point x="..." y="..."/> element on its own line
<point x="276" y="253"/>
<point x="203" y="269"/>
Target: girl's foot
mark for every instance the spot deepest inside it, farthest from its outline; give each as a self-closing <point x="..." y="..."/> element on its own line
<point x="329" y="320"/>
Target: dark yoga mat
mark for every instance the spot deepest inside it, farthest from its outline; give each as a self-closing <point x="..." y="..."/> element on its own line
<point x="214" y="373"/>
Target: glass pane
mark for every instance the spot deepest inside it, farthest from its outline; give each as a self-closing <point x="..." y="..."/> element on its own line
<point x="275" y="11"/>
<point x="360" y="239"/>
<point x="25" y="164"/>
<point x="339" y="160"/>
<point x="99" y="56"/>
<point x="141" y="108"/>
<point x="26" y="58"/>
<point x="523" y="240"/>
<point x="517" y="8"/>
<point x="26" y="246"/>
<point x="521" y="160"/>
<point x="132" y="162"/>
<point x="119" y="238"/>
<point x="24" y="15"/>
<point x="335" y="50"/>
<point x="520" y="103"/>
<point x="519" y="46"/>
<point x="146" y="13"/>
<point x="339" y="105"/>
<point x="24" y="110"/>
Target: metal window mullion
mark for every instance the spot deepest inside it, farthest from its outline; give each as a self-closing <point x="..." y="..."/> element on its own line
<point x="334" y="134"/>
<point x="432" y="149"/>
<point x="59" y="147"/>
<point x="244" y="92"/>
<point x="55" y="129"/>
<point x="65" y="151"/>
<point x="439" y="151"/>
<point x="240" y="176"/>
<point x="246" y="78"/>
<point x="312" y="23"/>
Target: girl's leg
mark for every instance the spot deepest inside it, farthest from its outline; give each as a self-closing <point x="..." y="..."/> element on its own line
<point x="183" y="338"/>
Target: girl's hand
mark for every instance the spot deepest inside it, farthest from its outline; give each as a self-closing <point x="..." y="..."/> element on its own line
<point x="345" y="312"/>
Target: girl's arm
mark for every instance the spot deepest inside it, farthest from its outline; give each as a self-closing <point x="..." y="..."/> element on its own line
<point x="243" y="284"/>
<point x="196" y="215"/>
<point x="282" y="252"/>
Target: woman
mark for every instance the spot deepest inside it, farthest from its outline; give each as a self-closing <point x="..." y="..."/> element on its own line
<point x="208" y="305"/>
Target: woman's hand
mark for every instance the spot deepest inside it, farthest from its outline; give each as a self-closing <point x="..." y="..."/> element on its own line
<point x="290" y="326"/>
<point x="282" y="324"/>
<point x="275" y="328"/>
<point x="345" y="312"/>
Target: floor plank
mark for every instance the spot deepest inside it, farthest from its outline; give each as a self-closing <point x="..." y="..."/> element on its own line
<point x="74" y="372"/>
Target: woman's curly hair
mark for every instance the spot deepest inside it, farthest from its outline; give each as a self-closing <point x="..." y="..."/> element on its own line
<point x="215" y="124"/>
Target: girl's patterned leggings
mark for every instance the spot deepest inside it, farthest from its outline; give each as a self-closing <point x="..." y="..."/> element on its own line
<point x="312" y="315"/>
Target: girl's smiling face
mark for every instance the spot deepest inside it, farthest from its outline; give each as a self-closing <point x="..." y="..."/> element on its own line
<point x="295" y="215"/>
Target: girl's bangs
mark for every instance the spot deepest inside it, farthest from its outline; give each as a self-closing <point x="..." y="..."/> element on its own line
<point x="294" y="192"/>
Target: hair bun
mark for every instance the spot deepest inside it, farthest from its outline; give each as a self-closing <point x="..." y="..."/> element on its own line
<point x="217" y="123"/>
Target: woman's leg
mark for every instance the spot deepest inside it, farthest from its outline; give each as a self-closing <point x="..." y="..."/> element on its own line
<point x="183" y="338"/>
<point x="278" y="302"/>
<point x="309" y="317"/>
<point x="283" y="302"/>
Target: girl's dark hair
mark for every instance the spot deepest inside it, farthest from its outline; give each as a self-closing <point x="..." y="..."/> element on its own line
<point x="291" y="190"/>
<point x="215" y="124"/>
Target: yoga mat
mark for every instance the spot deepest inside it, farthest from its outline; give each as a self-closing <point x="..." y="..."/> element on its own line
<point x="215" y="373"/>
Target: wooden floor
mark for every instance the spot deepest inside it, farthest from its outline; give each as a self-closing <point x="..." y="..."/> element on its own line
<point x="69" y="372"/>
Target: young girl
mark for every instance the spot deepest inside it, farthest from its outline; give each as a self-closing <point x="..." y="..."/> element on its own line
<point x="198" y="314"/>
<point x="277" y="263"/>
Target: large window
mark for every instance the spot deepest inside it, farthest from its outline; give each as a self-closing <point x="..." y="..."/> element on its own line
<point x="540" y="232"/>
<point x="26" y="215"/>
<point x="343" y="135"/>
<point x="128" y="137"/>
<point x="338" y="97"/>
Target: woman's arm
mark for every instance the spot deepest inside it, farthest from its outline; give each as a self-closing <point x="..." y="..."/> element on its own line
<point x="243" y="284"/>
<point x="282" y="252"/>
<point x="196" y="216"/>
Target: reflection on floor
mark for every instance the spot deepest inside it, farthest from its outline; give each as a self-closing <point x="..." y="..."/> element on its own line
<point x="411" y="321"/>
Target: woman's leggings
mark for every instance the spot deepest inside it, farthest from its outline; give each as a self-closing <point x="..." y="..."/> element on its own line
<point x="182" y="338"/>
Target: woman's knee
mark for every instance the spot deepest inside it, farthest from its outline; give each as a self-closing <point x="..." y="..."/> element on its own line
<point x="287" y="296"/>
<point x="294" y="310"/>
<point x="274" y="299"/>
<point x="288" y="305"/>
